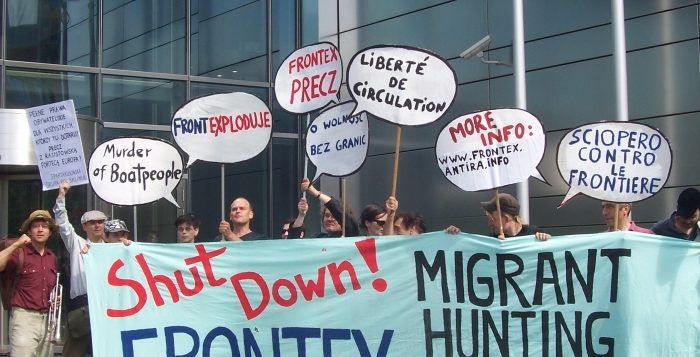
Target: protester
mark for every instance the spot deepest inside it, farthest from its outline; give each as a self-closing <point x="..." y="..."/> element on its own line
<point x="29" y="335"/>
<point x="153" y="237"/>
<point x="624" y="217"/>
<point x="238" y="229"/>
<point x="331" y="213"/>
<point x="512" y="223"/>
<point x="187" y="226"/>
<point x="78" y="338"/>
<point x="287" y="224"/>
<point x="372" y="219"/>
<point x="683" y="222"/>
<point x="116" y="232"/>
<point x="409" y="223"/>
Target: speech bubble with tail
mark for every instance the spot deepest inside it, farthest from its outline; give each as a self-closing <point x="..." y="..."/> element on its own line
<point x="402" y="85"/>
<point x="614" y="161"/>
<point x="132" y="170"/>
<point x="225" y="127"/>
<point x="491" y="149"/>
<point x="337" y="142"/>
<point x="309" y="78"/>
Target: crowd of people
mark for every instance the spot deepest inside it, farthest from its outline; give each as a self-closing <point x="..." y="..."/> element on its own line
<point x="30" y="299"/>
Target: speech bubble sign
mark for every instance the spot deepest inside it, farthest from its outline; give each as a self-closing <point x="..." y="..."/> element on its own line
<point x="309" y="78"/>
<point x="402" y="85"/>
<point x="131" y="171"/>
<point x="614" y="161"/>
<point x="490" y="149"/>
<point x="225" y="127"/>
<point x="337" y="142"/>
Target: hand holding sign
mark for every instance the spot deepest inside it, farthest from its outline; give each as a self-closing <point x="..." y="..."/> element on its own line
<point x="309" y="78"/>
<point x="337" y="142"/>
<point x="132" y="171"/>
<point x="402" y="85"/>
<point x="225" y="128"/>
<point x="491" y="149"/>
<point x="614" y="161"/>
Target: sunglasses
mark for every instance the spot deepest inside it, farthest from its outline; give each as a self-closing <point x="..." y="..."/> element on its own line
<point x="380" y="223"/>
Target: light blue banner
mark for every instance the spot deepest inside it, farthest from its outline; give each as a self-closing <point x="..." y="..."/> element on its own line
<point x="623" y="294"/>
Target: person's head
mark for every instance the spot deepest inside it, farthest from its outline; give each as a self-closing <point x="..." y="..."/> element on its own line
<point x="288" y="224"/>
<point x="409" y="223"/>
<point x="94" y="225"/>
<point x="115" y="231"/>
<point x="330" y="224"/>
<point x="241" y="212"/>
<point x="687" y="211"/>
<point x="38" y="226"/>
<point x="187" y="226"/>
<point x="510" y="214"/>
<point x="623" y="215"/>
<point x="153" y="237"/>
<point x="372" y="219"/>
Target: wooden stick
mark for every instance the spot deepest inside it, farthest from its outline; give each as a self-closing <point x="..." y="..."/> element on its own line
<point x="397" y="150"/>
<point x="616" y="226"/>
<point x="501" y="235"/>
<point x="223" y="199"/>
<point x="342" y="189"/>
<point x="306" y="158"/>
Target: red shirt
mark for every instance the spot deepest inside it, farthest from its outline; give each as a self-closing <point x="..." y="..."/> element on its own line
<point x="36" y="280"/>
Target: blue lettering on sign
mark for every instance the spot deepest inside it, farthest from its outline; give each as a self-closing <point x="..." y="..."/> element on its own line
<point x="614" y="183"/>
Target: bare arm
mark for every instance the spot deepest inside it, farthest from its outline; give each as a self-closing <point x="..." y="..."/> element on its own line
<point x="7" y="252"/>
<point x="392" y="204"/>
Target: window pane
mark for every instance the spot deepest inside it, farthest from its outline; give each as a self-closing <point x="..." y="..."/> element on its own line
<point x="229" y="39"/>
<point x="140" y="100"/>
<point x="60" y="32"/>
<point x="144" y="35"/>
<point x="285" y="185"/>
<point x="28" y="88"/>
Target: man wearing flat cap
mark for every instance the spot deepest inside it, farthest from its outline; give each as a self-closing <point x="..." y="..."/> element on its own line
<point x="77" y="319"/>
<point x="512" y="224"/>
<point x="33" y="266"/>
<point x="683" y="222"/>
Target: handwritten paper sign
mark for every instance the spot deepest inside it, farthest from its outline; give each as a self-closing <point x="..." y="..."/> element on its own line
<point x="490" y="149"/>
<point x="337" y="142"/>
<point x="309" y="78"/>
<point x="224" y="128"/>
<point x="56" y="138"/>
<point x="402" y="85"/>
<point x="614" y="161"/>
<point x="133" y="171"/>
<point x="16" y="146"/>
<point x="437" y="295"/>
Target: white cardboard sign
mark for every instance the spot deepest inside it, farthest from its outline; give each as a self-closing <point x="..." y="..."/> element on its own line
<point x="309" y="78"/>
<point x="57" y="144"/>
<point x="614" y="161"/>
<point x="491" y="149"/>
<point x="402" y="85"/>
<point x="224" y="128"/>
<point x="337" y="142"/>
<point x="132" y="171"/>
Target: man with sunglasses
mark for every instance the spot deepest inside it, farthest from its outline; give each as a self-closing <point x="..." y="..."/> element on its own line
<point x="93" y="222"/>
<point x="683" y="222"/>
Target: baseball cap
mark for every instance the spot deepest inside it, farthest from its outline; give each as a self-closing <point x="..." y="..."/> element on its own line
<point x="688" y="202"/>
<point x="509" y="204"/>
<point x="115" y="225"/>
<point x="35" y="216"/>
<point x="93" y="216"/>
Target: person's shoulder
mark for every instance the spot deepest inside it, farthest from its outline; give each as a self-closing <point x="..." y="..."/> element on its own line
<point x="254" y="236"/>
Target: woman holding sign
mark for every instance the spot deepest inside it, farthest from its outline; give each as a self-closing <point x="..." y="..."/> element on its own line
<point x="332" y="215"/>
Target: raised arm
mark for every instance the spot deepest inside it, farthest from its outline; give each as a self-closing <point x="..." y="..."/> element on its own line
<point x="6" y="253"/>
<point x="392" y="204"/>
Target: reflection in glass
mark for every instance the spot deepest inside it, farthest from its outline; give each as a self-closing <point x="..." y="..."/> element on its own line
<point x="29" y="88"/>
<point x="229" y="39"/>
<point x="144" y="35"/>
<point x="140" y="100"/>
<point x="59" y="32"/>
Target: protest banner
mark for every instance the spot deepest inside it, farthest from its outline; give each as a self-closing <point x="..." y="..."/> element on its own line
<point x="57" y="144"/>
<point x="337" y="142"/>
<point x="614" y="161"/>
<point x="14" y="126"/>
<point x="402" y="85"/>
<point x="490" y="149"/>
<point x="620" y="293"/>
<point x="131" y="171"/>
<point x="224" y="128"/>
<point x="309" y="78"/>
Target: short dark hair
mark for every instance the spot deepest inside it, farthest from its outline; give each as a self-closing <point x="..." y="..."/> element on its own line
<point x="688" y="202"/>
<point x="188" y="218"/>
<point x="412" y="218"/>
<point x="370" y="213"/>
